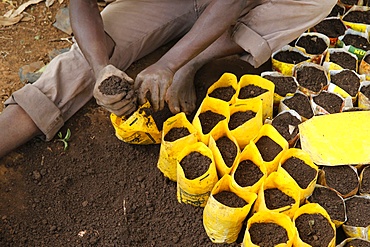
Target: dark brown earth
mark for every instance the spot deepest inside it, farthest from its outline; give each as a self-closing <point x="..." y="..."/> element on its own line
<point x="331" y="102"/>
<point x="176" y="133"/>
<point x="275" y="198"/>
<point x="267" y="234"/>
<point x="209" y="120"/>
<point x="357" y="16"/>
<point x="283" y="84"/>
<point x="239" y="118"/>
<point x="115" y="85"/>
<point x="300" y="103"/>
<point x="247" y="173"/>
<point x="312" y="44"/>
<point x="356" y="41"/>
<point x="338" y="10"/>
<point x="345" y="60"/>
<point x="268" y="148"/>
<point x="282" y="122"/>
<point x="292" y="57"/>
<point x="223" y="93"/>
<point x="333" y="28"/>
<point x="302" y="173"/>
<point x="346" y="80"/>
<point x="311" y="78"/>
<point x="357" y="243"/>
<point x="250" y="91"/>
<point x="366" y="90"/>
<point x="355" y="207"/>
<point x="230" y="199"/>
<point x="228" y="150"/>
<point x="195" y="164"/>
<point x="365" y="181"/>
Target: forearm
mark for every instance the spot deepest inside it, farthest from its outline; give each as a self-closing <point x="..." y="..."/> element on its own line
<point x="87" y="26"/>
<point x="213" y="23"/>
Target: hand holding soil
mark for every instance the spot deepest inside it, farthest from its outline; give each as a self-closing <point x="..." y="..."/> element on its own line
<point x="114" y="91"/>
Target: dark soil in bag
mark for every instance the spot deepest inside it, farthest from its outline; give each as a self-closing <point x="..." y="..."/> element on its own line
<point x="251" y="91"/>
<point x="356" y="41"/>
<point x="282" y="122"/>
<point x="311" y="78"/>
<point x="195" y="165"/>
<point x="357" y="16"/>
<point x="292" y="57"/>
<point x="268" y="148"/>
<point x="365" y="181"/>
<point x="343" y="178"/>
<point x="223" y="93"/>
<point x="333" y="28"/>
<point x="331" y="201"/>
<point x="230" y="199"/>
<point x="209" y="120"/>
<point x="347" y="80"/>
<point x="366" y="91"/>
<point x="331" y="102"/>
<point x="345" y="60"/>
<point x="247" y="173"/>
<point x="355" y="208"/>
<point x="302" y="173"/>
<point x="301" y="104"/>
<point x="275" y="198"/>
<point x="228" y="150"/>
<point x="314" y="229"/>
<point x="176" y="133"/>
<point x="239" y="118"/>
<point x="283" y="84"/>
<point x="367" y="59"/>
<point x="357" y="243"/>
<point x="267" y="234"/>
<point x="312" y="44"/>
<point x="336" y="11"/>
<point x="349" y="2"/>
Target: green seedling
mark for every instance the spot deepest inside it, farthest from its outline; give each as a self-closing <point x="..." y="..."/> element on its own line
<point x="65" y="139"/>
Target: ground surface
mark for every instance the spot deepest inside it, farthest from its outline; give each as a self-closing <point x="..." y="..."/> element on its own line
<point x="101" y="191"/>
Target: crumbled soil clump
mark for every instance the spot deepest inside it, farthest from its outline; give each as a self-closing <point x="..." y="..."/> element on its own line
<point x="230" y="199"/>
<point x="311" y="78"/>
<point x="209" y="120"/>
<point x="268" y="148"/>
<point x="301" y="104"/>
<point x="223" y="93"/>
<point x="345" y="60"/>
<point x="343" y="178"/>
<point x="312" y="44"/>
<point x="302" y="173"/>
<point x="114" y="85"/>
<point x="195" y="165"/>
<point x="331" y="102"/>
<point x="176" y="133"/>
<point x="347" y="80"/>
<point x="247" y="173"/>
<point x="292" y="57"/>
<point x="283" y="124"/>
<point x="239" y="118"/>
<point x="355" y="208"/>
<point x="356" y="41"/>
<point x="228" y="150"/>
<point x="283" y="84"/>
<point x="314" y="229"/>
<point x="251" y="91"/>
<point x="275" y="198"/>
<point x="267" y="234"/>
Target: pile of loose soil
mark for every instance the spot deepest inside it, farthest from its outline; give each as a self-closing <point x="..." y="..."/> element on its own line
<point x="176" y="133"/>
<point x="283" y="84"/>
<point x="312" y="44"/>
<point x="267" y="234"/>
<point x="223" y="93"/>
<point x="331" y="201"/>
<point x="228" y="150"/>
<point x="311" y="78"/>
<point x="195" y="165"/>
<point x="302" y="173"/>
<point x="332" y="27"/>
<point x="347" y="80"/>
<point x="209" y="120"/>
<point x="251" y="91"/>
<point x="275" y="199"/>
<point x="331" y="102"/>
<point x="292" y="57"/>
<point x="230" y="199"/>
<point x="239" y="118"/>
<point x="343" y="179"/>
<point x="356" y="41"/>
<point x="314" y="229"/>
<point x="284" y="122"/>
<point x="345" y="60"/>
<point x="115" y="85"/>
<point x="355" y="208"/>
<point x="268" y="148"/>
<point x="247" y="173"/>
<point x="301" y="104"/>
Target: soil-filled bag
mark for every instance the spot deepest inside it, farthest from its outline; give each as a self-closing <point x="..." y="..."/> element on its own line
<point x="364" y="67"/>
<point x="284" y="85"/>
<point x="211" y="118"/>
<point x="358" y="221"/>
<point x="225" y="151"/>
<point x="177" y="133"/>
<point x="300" y="103"/>
<point x="365" y="181"/>
<point x="297" y="166"/>
<point x="245" y="121"/>
<point x="327" y="102"/>
<point x="312" y="78"/>
<point x="278" y="194"/>
<point x="268" y="228"/>
<point x="333" y="27"/>
<point x="225" y="88"/>
<point x="358" y="51"/>
<point x="270" y="144"/>
<point x="356" y="13"/>
<point x="314" y="226"/>
<point x="196" y="174"/>
<point x="339" y="58"/>
<point x="363" y="96"/>
<point x="354" y="242"/>
<point x="313" y="44"/>
<point x="249" y="173"/>
<point x="139" y="128"/>
<point x="223" y="220"/>
<point x="286" y="58"/>
<point x="255" y="86"/>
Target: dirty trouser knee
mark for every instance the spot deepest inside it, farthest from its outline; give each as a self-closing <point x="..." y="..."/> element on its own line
<point x="267" y="25"/>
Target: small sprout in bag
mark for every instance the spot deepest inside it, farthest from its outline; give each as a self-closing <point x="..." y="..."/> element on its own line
<point x="65" y="139"/>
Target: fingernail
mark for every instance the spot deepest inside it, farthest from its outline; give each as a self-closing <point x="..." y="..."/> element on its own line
<point x="177" y="109"/>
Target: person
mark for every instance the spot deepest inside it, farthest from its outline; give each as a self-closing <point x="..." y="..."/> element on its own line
<point x="109" y="41"/>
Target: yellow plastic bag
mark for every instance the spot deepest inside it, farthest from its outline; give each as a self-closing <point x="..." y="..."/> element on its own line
<point x="223" y="223"/>
<point x="247" y="131"/>
<point x="226" y="80"/>
<point x="286" y="68"/>
<point x="278" y="181"/>
<point x="254" y="157"/>
<point x="139" y="128"/>
<point x="360" y="27"/>
<point x="313" y="208"/>
<point x="215" y="106"/>
<point x="222" y="167"/>
<point x="303" y="156"/>
<point x="267" y="97"/>
<point x="270" y="217"/>
<point x="169" y="150"/>
<point x="196" y="191"/>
